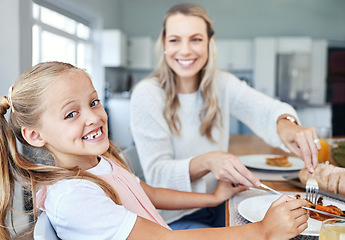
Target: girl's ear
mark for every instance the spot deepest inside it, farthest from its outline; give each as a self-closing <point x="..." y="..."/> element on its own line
<point x="32" y="137"/>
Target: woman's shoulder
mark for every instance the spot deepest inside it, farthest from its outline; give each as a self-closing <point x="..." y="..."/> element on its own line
<point x="222" y="75"/>
<point x="225" y="80"/>
<point x="147" y="85"/>
<point x="147" y="90"/>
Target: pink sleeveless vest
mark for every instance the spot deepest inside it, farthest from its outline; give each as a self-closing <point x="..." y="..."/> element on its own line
<point x="131" y="194"/>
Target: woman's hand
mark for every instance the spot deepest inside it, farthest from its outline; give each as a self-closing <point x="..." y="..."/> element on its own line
<point x="224" y="166"/>
<point x="285" y="218"/>
<point x="300" y="141"/>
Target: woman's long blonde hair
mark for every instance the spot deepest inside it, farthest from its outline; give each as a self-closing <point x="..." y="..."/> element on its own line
<point x="210" y="111"/>
<point x="25" y="104"/>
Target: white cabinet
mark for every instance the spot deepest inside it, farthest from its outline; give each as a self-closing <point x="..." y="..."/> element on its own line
<point x="318" y="116"/>
<point x="140" y="53"/>
<point x="114" y="48"/>
<point x="318" y="71"/>
<point x="265" y="50"/>
<point x="294" y="45"/>
<point x="234" y="54"/>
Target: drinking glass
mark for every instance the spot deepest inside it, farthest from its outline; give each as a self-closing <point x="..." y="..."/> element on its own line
<point x="325" y="135"/>
<point x="332" y="229"/>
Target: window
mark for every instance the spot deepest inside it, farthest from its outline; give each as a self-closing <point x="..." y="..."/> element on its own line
<point x="60" y="37"/>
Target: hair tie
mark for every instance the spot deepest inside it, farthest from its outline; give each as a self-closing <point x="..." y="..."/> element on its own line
<point x="9" y="98"/>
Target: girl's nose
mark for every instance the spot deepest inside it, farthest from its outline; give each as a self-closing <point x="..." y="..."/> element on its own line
<point x="91" y="117"/>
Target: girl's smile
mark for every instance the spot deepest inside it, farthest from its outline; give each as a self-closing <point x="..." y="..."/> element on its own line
<point x="96" y="135"/>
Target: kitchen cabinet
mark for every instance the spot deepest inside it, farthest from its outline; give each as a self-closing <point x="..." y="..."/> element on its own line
<point x="294" y="45"/>
<point x="114" y="48"/>
<point x="266" y="51"/>
<point x="140" y="53"/>
<point x="265" y="65"/>
<point x="315" y="116"/>
<point x="234" y="54"/>
<point x="318" y="72"/>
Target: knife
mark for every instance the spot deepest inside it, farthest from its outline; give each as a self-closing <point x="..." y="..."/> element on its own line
<point x="270" y="189"/>
<point x="324" y="213"/>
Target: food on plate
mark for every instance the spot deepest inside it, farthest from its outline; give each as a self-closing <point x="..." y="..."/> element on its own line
<point x="329" y="177"/>
<point x="279" y="161"/>
<point x="319" y="206"/>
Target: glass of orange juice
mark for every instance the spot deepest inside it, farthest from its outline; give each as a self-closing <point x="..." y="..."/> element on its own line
<point x="325" y="135"/>
<point x="332" y="229"/>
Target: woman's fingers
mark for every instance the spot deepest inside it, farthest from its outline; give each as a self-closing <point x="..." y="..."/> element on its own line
<point x="302" y="144"/>
<point x="238" y="173"/>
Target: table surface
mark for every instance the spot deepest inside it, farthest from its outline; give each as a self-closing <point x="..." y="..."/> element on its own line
<point x="251" y="144"/>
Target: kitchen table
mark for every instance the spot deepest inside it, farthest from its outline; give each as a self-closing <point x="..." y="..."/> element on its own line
<point x="251" y="144"/>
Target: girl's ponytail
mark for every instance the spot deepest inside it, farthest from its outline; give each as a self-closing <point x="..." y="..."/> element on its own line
<point x="7" y="173"/>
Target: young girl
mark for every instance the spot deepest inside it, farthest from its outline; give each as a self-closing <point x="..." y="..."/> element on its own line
<point x="90" y="192"/>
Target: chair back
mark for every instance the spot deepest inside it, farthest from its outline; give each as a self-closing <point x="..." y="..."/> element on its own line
<point x="132" y="155"/>
<point x="43" y="229"/>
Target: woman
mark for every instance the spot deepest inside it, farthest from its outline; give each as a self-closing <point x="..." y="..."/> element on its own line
<point x="180" y="116"/>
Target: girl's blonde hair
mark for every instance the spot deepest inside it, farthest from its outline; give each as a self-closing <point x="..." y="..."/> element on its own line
<point x="210" y="111"/>
<point x="25" y="100"/>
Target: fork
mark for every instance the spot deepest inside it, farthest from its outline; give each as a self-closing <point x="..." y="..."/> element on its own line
<point x="312" y="189"/>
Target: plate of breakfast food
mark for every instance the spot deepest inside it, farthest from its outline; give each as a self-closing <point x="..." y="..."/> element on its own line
<point x="254" y="209"/>
<point x="272" y="162"/>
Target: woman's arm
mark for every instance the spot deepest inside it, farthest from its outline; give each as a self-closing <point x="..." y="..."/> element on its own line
<point x="163" y="198"/>
<point x="265" y="116"/>
<point x="285" y="219"/>
<point x="224" y="166"/>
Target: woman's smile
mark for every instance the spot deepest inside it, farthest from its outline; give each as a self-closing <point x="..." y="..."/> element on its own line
<point x="186" y="62"/>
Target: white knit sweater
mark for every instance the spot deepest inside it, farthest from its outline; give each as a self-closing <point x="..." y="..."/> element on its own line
<point x="165" y="157"/>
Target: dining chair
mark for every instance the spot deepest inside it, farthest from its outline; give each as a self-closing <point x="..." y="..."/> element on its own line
<point x="43" y="229"/>
<point x="132" y="155"/>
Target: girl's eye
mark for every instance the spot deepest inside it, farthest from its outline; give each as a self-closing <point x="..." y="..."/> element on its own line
<point x="95" y="102"/>
<point x="196" y="39"/>
<point x="173" y="40"/>
<point x="71" y="115"/>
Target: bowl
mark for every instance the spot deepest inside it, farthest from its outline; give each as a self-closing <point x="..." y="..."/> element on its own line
<point x="338" y="151"/>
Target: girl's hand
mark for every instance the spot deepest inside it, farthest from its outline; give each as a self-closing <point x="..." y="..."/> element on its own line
<point x="227" y="167"/>
<point x="285" y="218"/>
<point x="300" y="141"/>
<point x="226" y="190"/>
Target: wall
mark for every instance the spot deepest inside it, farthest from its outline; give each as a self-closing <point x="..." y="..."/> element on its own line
<point x="9" y="44"/>
<point x="231" y="18"/>
<point x="246" y="19"/>
<point x="110" y="10"/>
<point x="12" y="61"/>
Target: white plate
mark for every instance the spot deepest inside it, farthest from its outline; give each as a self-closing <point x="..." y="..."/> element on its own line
<point x="254" y="209"/>
<point x="258" y="161"/>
